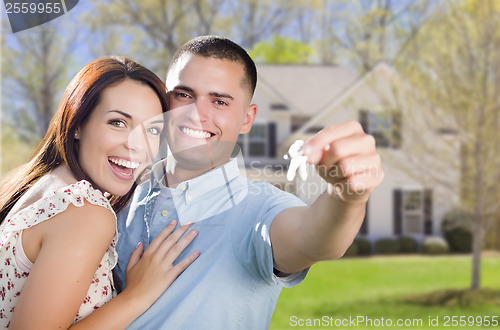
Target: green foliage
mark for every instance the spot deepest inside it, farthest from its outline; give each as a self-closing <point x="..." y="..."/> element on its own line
<point x="459" y="239"/>
<point x="462" y="298"/>
<point x="364" y="246"/>
<point x="456" y="227"/>
<point x="281" y="50"/>
<point x="435" y="245"/>
<point x="352" y="251"/>
<point x="457" y="218"/>
<point x="387" y="246"/>
<point x="408" y="244"/>
<point x="359" y="247"/>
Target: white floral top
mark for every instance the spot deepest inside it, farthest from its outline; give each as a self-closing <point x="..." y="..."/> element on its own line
<point x="12" y="278"/>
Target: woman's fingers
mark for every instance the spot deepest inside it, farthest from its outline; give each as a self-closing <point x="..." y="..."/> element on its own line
<point x="183" y="264"/>
<point x="163" y="235"/>
<point x="170" y="252"/>
<point x="135" y="256"/>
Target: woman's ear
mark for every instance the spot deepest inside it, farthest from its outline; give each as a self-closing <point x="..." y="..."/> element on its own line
<point x="77" y="134"/>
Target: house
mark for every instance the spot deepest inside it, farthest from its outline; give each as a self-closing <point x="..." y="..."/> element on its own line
<point x="296" y="101"/>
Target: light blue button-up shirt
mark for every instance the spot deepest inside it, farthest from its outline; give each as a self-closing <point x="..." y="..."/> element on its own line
<point x="231" y="285"/>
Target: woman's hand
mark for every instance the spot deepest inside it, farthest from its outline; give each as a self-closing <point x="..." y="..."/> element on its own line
<point x="147" y="277"/>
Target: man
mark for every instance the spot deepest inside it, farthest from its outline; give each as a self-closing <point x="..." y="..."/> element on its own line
<point x="253" y="238"/>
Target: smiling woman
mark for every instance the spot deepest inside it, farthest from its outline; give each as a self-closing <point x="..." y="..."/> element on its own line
<point x="58" y="236"/>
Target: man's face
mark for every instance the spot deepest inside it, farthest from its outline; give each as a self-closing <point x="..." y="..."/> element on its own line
<point x="209" y="108"/>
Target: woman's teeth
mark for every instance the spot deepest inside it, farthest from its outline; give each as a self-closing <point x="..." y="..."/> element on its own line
<point x="196" y="134"/>
<point x="124" y="163"/>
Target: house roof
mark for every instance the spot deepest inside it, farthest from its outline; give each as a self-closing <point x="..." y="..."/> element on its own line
<point x="306" y="89"/>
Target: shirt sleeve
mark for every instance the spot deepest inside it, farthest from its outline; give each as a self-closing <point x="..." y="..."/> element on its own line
<point x="251" y="235"/>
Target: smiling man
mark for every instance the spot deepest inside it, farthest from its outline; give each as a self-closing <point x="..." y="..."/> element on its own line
<point x="254" y="239"/>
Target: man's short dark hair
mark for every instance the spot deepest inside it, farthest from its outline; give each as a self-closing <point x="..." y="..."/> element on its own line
<point x="222" y="49"/>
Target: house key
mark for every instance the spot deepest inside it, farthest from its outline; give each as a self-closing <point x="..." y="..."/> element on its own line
<point x="298" y="162"/>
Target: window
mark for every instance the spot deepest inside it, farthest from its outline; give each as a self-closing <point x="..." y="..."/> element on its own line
<point x="384" y="126"/>
<point x="279" y="107"/>
<point x="257" y="140"/>
<point x="412" y="212"/>
<point x="260" y="141"/>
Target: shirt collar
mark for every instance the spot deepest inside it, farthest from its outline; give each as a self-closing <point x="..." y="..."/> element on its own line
<point x="200" y="185"/>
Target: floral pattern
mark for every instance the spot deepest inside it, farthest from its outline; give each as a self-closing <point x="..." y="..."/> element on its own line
<point x="12" y="278"/>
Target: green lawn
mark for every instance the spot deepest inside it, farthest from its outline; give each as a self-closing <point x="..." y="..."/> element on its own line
<point x="375" y="288"/>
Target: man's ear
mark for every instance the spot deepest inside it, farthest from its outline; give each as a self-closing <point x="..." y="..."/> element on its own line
<point x="250" y="114"/>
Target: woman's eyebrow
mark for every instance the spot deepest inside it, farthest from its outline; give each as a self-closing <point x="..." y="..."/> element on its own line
<point x="124" y="114"/>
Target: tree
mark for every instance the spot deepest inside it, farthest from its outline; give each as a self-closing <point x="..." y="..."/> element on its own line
<point x="152" y="30"/>
<point x="34" y="73"/>
<point x="454" y="66"/>
<point x="281" y="50"/>
<point x="363" y="33"/>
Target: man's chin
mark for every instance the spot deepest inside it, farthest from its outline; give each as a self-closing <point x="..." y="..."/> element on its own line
<point x="205" y="156"/>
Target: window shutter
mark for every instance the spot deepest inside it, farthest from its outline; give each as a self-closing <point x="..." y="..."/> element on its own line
<point x="364" y="225"/>
<point x="428" y="211"/>
<point x="397" y="211"/>
<point x="271" y="138"/>
<point x="396" y="130"/>
<point x="363" y="120"/>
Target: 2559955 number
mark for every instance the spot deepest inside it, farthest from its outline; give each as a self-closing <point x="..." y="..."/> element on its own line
<point x="32" y="8"/>
<point x="470" y="321"/>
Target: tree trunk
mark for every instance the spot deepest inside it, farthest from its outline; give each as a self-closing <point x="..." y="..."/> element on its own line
<point x="476" y="256"/>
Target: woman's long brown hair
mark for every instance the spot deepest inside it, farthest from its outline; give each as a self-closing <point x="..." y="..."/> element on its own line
<point x="59" y="145"/>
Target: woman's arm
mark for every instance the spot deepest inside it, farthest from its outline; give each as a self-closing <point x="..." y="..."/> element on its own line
<point x="72" y="245"/>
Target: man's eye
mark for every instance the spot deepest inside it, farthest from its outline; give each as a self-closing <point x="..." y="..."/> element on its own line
<point x="154" y="130"/>
<point x="181" y="95"/>
<point x="219" y="102"/>
<point x="116" y="123"/>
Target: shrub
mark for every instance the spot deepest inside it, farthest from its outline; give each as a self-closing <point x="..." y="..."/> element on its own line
<point x="459" y="239"/>
<point x="387" y="245"/>
<point x="353" y="250"/>
<point x="456" y="227"/>
<point x="435" y="245"/>
<point x="408" y="244"/>
<point x="457" y="218"/>
<point x="364" y="246"/>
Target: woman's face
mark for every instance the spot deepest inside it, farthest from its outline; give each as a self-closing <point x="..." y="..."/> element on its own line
<point x="121" y="136"/>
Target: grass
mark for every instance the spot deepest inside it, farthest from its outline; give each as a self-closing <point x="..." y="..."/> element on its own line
<point x="399" y="287"/>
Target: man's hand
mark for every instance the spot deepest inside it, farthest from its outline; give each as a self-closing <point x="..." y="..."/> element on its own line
<point x="345" y="156"/>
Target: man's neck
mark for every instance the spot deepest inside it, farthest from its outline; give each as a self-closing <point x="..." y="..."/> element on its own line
<point x="183" y="173"/>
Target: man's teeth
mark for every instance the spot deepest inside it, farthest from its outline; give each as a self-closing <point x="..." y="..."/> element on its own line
<point x="124" y="163"/>
<point x="196" y="134"/>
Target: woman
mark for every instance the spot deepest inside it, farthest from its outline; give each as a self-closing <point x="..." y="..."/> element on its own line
<point x="58" y="232"/>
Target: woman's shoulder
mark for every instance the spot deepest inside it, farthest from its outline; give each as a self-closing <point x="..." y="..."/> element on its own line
<point x="51" y="196"/>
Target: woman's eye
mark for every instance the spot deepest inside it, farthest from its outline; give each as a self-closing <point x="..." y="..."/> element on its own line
<point x="116" y="123"/>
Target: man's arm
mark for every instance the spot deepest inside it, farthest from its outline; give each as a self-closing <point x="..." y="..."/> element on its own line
<point x="347" y="159"/>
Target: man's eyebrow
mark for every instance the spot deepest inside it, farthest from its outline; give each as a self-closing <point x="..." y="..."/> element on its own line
<point x="215" y="94"/>
<point x="227" y="96"/>
<point x="184" y="88"/>
<point x="159" y="121"/>
<point x="124" y="114"/>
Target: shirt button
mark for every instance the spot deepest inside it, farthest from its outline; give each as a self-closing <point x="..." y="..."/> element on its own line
<point x="164" y="213"/>
<point x="189" y="197"/>
<point x="183" y="187"/>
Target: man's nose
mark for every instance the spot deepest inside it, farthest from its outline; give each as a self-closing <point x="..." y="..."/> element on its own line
<point x="137" y="139"/>
<point x="203" y="109"/>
